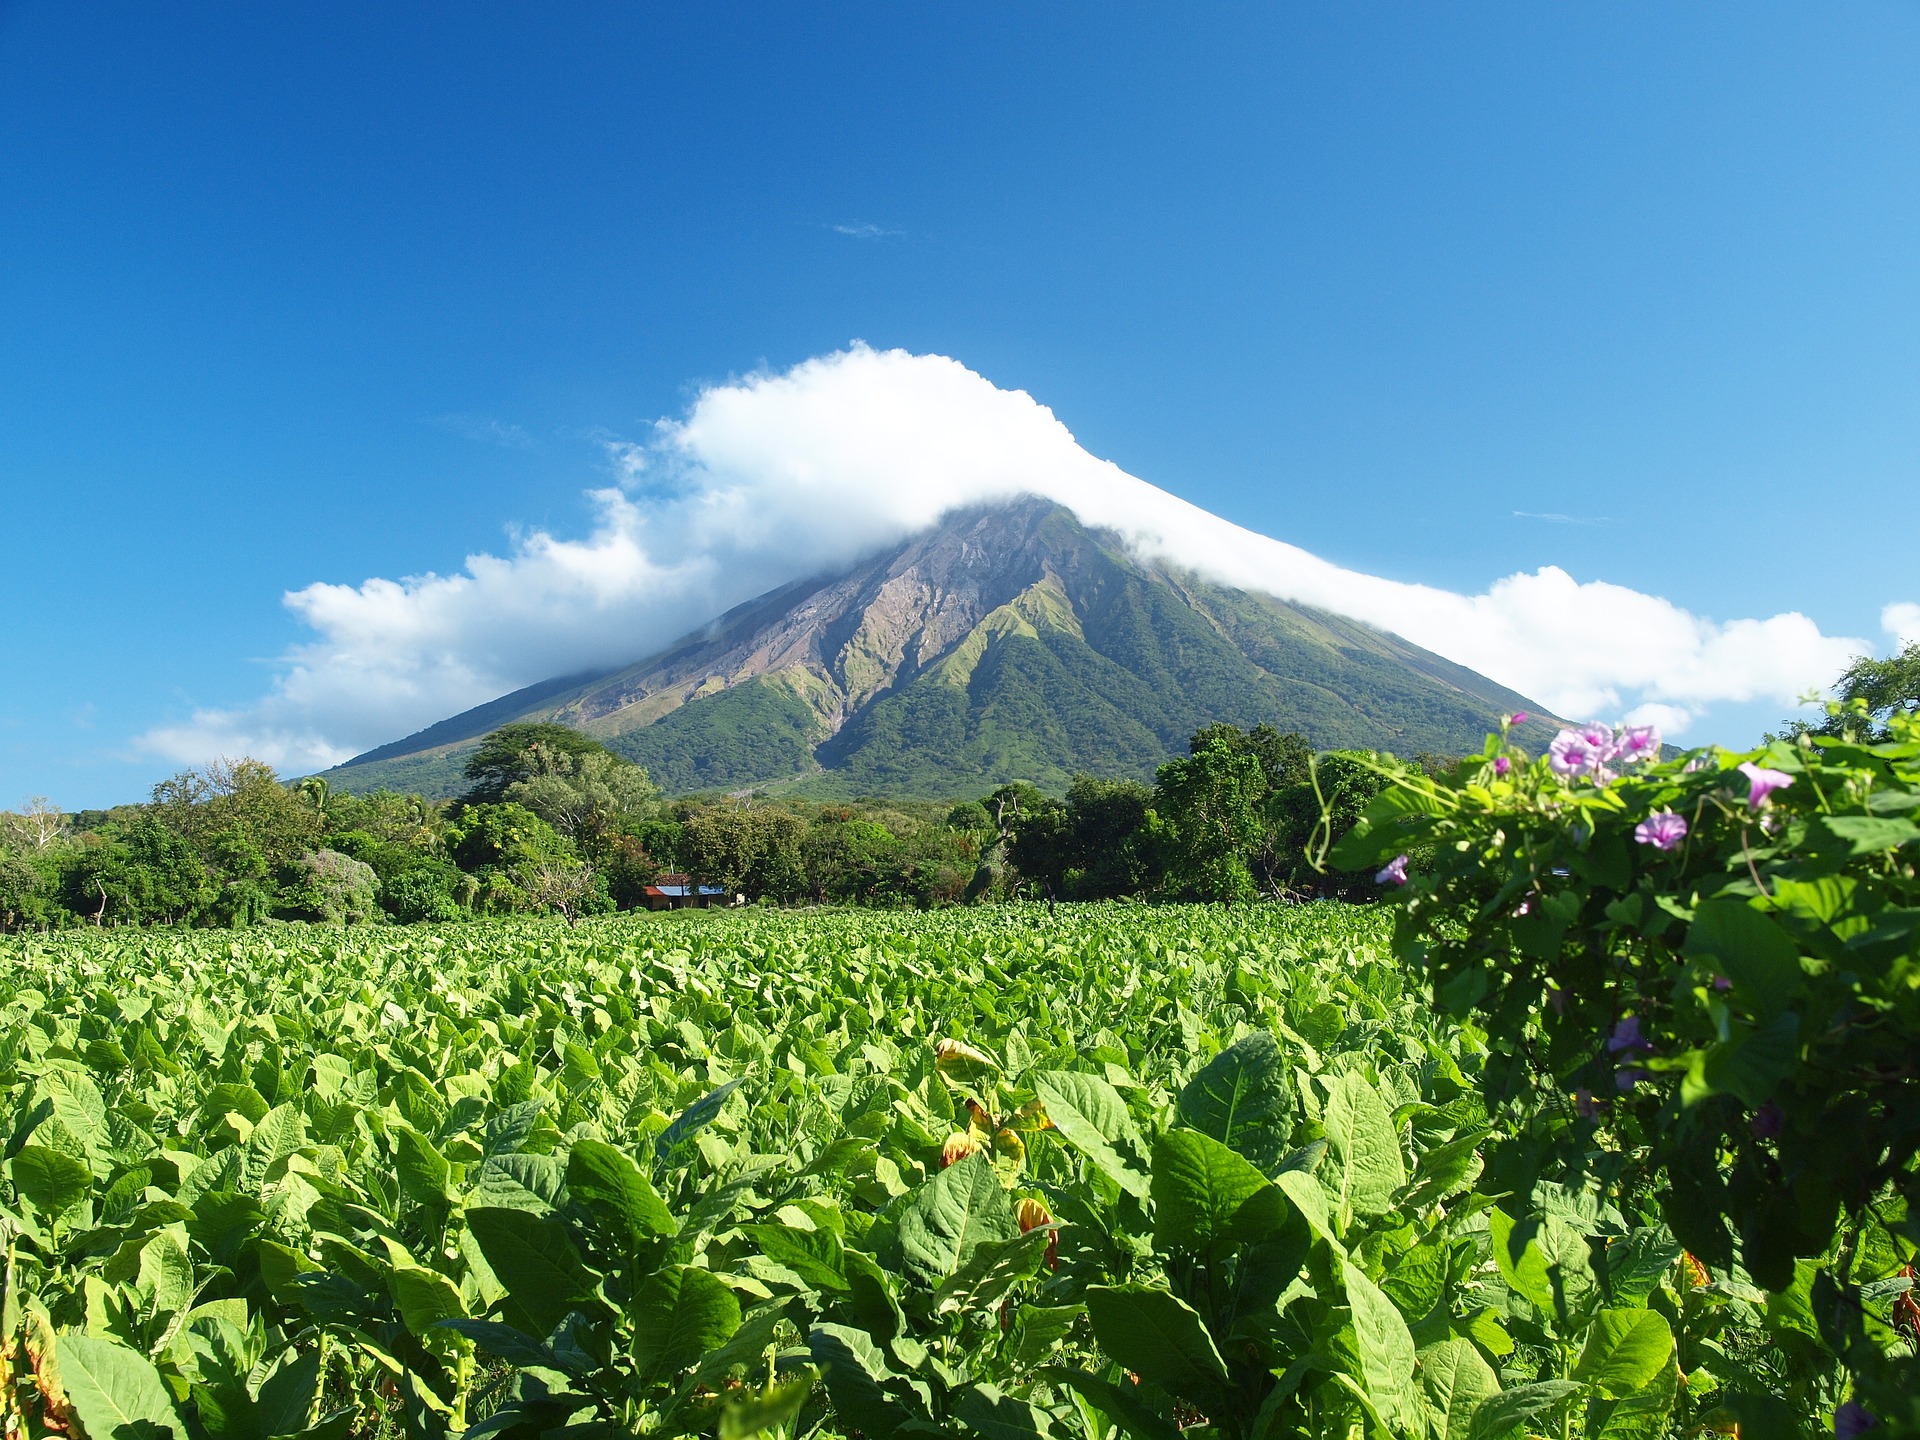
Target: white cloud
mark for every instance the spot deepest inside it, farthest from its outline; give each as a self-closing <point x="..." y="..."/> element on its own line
<point x="781" y="476"/>
<point x="1902" y="622"/>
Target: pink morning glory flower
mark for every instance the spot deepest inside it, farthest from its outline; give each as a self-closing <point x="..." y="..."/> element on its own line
<point x="1520" y="717"/>
<point x="1394" y="873"/>
<point x="1762" y="782"/>
<point x="1572" y="753"/>
<point x="1637" y="743"/>
<point x="1663" y="830"/>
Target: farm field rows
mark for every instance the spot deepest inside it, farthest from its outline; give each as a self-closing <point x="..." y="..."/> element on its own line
<point x="993" y="1172"/>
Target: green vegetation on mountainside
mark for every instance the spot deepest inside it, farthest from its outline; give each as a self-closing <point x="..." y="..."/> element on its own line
<point x="749" y="734"/>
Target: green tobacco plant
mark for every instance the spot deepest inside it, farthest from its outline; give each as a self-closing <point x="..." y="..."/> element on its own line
<point x="1103" y="1171"/>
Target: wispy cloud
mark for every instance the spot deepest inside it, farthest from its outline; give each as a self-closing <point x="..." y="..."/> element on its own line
<point x="865" y="230"/>
<point x="1555" y="518"/>
<point x="486" y="431"/>
<point x="1901" y="620"/>
<point x="782" y="475"/>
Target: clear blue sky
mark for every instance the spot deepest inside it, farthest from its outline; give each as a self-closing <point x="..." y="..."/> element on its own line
<point x="300" y="292"/>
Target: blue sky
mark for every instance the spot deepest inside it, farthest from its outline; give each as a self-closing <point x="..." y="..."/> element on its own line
<point x="298" y="294"/>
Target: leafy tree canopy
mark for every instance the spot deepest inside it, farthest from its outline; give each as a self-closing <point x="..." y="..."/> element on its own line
<point x="520" y="751"/>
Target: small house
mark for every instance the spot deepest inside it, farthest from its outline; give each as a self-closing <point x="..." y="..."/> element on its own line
<point x="679" y="892"/>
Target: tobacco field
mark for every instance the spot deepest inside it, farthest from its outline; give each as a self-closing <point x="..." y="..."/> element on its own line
<point x="1114" y="1171"/>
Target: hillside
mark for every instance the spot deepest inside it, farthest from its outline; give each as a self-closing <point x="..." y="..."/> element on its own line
<point x="1008" y="642"/>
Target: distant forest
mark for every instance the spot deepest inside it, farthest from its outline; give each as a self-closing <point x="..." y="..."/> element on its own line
<point x="553" y="822"/>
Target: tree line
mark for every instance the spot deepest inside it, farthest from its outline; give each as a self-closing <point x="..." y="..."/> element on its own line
<point x="553" y="822"/>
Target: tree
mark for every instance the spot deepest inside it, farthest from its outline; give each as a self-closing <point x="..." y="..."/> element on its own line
<point x="1040" y="843"/>
<point x="557" y="882"/>
<point x="1211" y="803"/>
<point x="519" y="752"/>
<point x="151" y="875"/>
<point x="431" y="890"/>
<point x="334" y="887"/>
<point x="38" y="824"/>
<point x="1870" y="692"/>
<point x="1111" y="849"/>
<point x="241" y="796"/>
<point x="584" y="796"/>
<point x="1304" y="820"/>
<point x="747" y="849"/>
<point x="22" y="891"/>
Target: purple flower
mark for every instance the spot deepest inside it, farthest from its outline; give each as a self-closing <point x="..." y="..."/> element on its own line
<point x="1637" y="743"/>
<point x="1573" y="753"/>
<point x="1583" y="1105"/>
<point x="1721" y="983"/>
<point x="1519" y="718"/>
<point x="1394" y="873"/>
<point x="1625" y="1080"/>
<point x="1762" y="782"/>
<point x="1767" y="1122"/>
<point x="1852" y="1420"/>
<point x="1663" y="830"/>
<point x="1627" y="1039"/>
<point x="1501" y="764"/>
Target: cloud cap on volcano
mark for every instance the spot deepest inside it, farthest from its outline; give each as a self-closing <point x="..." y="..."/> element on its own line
<point x="783" y="475"/>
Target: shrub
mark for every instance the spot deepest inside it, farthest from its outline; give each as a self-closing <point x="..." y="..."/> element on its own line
<point x="1700" y="977"/>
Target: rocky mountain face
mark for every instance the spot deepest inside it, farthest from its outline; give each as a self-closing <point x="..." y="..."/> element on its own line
<point x="1005" y="643"/>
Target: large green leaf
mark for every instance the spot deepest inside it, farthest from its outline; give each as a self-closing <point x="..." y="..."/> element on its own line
<point x="1457" y="1381"/>
<point x="1749" y="1063"/>
<point x="992" y="1271"/>
<point x="425" y="1297"/>
<point x="1386" y="1347"/>
<point x="1242" y="1098"/>
<point x="1200" y="1189"/>
<point x="1502" y="1415"/>
<point x="990" y="1411"/>
<point x="1310" y="1200"/>
<point x="1091" y="1115"/>
<point x="1120" y="1402"/>
<point x="281" y="1132"/>
<point x="54" y="1181"/>
<point x="681" y="1313"/>
<point x="1159" y="1337"/>
<point x="1643" y="1415"/>
<point x="817" y="1257"/>
<point x="289" y="1396"/>
<point x="857" y="1376"/>
<point x="536" y="1262"/>
<point x="608" y="1181"/>
<point x="422" y="1169"/>
<point x="1625" y="1351"/>
<point x="116" y="1392"/>
<point x="957" y="1211"/>
<point x="1367" y="1169"/>
<point x="1752" y="951"/>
